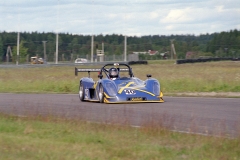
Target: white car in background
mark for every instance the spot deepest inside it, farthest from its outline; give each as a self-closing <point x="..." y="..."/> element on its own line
<point x="81" y="60"/>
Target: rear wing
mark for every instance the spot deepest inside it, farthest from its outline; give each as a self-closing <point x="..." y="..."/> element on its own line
<point x="95" y="70"/>
<point x="105" y="70"/>
<point x="85" y="70"/>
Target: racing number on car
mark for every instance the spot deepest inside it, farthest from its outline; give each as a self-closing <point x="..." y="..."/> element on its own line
<point x="128" y="91"/>
<point x="86" y="93"/>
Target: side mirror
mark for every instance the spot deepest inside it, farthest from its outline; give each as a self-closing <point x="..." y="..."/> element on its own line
<point x="100" y="76"/>
<point x="149" y="75"/>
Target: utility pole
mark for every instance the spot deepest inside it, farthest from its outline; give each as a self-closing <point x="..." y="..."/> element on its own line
<point x="18" y="39"/>
<point x="57" y="35"/>
<point x="56" y="49"/>
<point x="92" y="40"/>
<point x="102" y="46"/>
<point x="44" y="50"/>
<point x="172" y="49"/>
<point x="125" y="48"/>
<point x="92" y="48"/>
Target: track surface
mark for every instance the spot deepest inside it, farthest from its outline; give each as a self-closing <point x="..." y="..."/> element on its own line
<point x="209" y="116"/>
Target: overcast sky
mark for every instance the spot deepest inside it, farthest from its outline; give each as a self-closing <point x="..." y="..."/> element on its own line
<point x="130" y="17"/>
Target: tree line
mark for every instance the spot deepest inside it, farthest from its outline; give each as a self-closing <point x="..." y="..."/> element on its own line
<point x="223" y="44"/>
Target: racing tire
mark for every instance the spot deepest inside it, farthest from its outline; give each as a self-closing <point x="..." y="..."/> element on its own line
<point x="81" y="92"/>
<point x="101" y="94"/>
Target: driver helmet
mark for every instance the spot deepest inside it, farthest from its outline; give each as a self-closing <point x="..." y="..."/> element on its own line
<point x="113" y="72"/>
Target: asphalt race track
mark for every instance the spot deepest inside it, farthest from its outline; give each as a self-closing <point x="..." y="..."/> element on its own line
<point x="208" y="116"/>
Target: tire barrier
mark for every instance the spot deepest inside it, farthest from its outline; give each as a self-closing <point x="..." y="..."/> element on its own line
<point x="236" y="59"/>
<point x="137" y="62"/>
<point x="182" y="61"/>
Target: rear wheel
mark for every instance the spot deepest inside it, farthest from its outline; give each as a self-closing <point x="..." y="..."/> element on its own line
<point x="81" y="92"/>
<point x="101" y="94"/>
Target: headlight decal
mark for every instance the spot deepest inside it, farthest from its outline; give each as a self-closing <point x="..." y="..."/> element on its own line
<point x="111" y="89"/>
<point x="156" y="88"/>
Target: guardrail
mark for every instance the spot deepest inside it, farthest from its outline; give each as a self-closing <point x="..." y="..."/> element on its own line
<point x="137" y="62"/>
<point x="49" y="64"/>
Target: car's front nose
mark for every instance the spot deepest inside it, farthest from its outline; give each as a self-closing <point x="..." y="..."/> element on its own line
<point x="128" y="95"/>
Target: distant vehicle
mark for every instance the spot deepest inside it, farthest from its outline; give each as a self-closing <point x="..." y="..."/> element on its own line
<point x="36" y="60"/>
<point x="116" y="89"/>
<point x="81" y="60"/>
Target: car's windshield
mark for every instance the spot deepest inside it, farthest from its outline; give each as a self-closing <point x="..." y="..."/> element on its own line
<point x="130" y="82"/>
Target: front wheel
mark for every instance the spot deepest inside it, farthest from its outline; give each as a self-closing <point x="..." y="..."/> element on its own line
<point x="101" y="94"/>
<point x="81" y="92"/>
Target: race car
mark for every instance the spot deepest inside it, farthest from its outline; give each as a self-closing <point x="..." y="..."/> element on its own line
<point x="81" y="60"/>
<point x="116" y="89"/>
<point x="36" y="60"/>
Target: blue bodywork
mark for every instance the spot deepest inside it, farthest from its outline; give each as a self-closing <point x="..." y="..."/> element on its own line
<point x="121" y="90"/>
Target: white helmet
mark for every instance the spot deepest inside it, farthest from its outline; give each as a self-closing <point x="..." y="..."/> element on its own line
<point x="113" y="72"/>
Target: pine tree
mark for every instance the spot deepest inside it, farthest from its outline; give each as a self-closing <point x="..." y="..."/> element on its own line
<point x="22" y="52"/>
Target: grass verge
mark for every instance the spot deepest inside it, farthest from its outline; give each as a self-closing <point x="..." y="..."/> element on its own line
<point x="198" y="77"/>
<point x="51" y="138"/>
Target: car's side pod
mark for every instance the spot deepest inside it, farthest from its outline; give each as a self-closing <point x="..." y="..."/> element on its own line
<point x="100" y="76"/>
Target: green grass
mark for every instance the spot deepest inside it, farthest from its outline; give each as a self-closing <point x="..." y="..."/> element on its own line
<point x="51" y="138"/>
<point x="198" y="77"/>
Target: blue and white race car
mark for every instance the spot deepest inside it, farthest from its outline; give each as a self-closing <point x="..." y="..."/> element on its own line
<point x="116" y="89"/>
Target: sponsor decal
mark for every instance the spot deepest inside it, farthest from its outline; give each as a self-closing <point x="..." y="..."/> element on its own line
<point x="137" y="99"/>
<point x="129" y="92"/>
